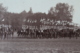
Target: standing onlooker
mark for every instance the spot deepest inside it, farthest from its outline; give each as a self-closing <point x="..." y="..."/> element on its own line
<point x="15" y="33"/>
<point x="11" y="31"/>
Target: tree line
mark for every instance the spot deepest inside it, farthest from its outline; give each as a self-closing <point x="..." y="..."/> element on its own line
<point x="62" y="12"/>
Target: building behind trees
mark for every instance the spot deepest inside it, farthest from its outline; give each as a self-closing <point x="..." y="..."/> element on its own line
<point x="61" y="15"/>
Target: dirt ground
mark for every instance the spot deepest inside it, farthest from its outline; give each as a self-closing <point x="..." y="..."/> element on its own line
<point x="20" y="45"/>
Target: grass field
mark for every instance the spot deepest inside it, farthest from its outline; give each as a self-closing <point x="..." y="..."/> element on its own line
<point x="61" y="45"/>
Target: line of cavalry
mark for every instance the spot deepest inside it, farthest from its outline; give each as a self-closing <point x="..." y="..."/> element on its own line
<point x="47" y="33"/>
<point x="50" y="33"/>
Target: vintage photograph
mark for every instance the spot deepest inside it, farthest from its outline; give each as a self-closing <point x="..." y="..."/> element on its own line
<point x="39" y="26"/>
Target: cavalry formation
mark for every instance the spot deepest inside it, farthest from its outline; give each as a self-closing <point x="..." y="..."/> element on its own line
<point x="46" y="33"/>
<point x="49" y="33"/>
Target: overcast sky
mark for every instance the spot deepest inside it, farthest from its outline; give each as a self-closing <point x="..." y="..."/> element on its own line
<point x="18" y="6"/>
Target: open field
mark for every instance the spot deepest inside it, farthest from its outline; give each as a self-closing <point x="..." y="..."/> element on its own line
<point x="61" y="45"/>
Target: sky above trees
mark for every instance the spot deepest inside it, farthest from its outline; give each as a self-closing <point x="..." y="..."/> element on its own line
<point x="18" y="6"/>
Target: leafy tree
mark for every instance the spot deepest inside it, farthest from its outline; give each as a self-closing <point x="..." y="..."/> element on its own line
<point x="3" y="10"/>
<point x="64" y="12"/>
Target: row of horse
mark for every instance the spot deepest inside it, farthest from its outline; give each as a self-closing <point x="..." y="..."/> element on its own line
<point x="49" y="33"/>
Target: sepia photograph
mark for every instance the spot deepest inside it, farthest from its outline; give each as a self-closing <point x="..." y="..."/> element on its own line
<point x="39" y="26"/>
